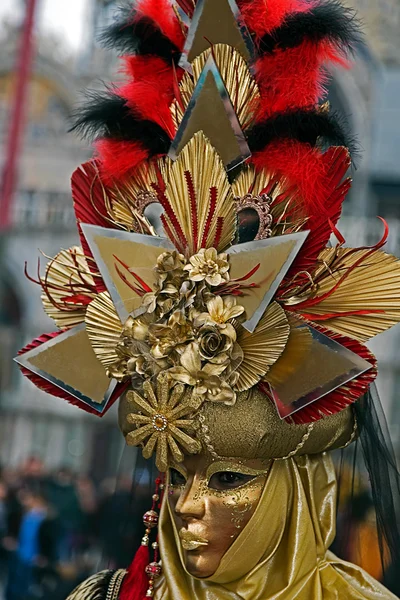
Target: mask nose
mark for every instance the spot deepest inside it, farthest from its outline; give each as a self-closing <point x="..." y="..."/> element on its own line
<point x="190" y="504"/>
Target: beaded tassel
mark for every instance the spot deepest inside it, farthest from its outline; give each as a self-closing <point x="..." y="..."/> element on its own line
<point x="150" y="519"/>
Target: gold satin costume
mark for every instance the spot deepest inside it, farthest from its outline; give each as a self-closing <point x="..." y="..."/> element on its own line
<point x="282" y="554"/>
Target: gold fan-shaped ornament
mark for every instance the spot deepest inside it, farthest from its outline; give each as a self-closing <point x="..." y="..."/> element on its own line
<point x="241" y="86"/>
<point x="262" y="348"/>
<point x="370" y="289"/>
<point x="68" y="288"/>
<point x="104" y="329"/>
<point x="198" y="223"/>
<point x="130" y="198"/>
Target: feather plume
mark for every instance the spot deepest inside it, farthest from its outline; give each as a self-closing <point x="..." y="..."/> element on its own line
<point x="328" y="21"/>
<point x="305" y="126"/>
<point x="118" y="159"/>
<point x="262" y="17"/>
<point x="135" y="33"/>
<point x="108" y="115"/>
<point x="309" y="169"/>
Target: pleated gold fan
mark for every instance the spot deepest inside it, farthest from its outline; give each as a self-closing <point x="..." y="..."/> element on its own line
<point x="241" y="86"/>
<point x="130" y="197"/>
<point x="206" y="213"/>
<point x="371" y="287"/>
<point x="68" y="287"/>
<point x="262" y="348"/>
<point x="104" y="329"/>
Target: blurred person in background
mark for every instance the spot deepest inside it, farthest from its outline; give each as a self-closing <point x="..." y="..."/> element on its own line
<point x="118" y="532"/>
<point x="33" y="471"/>
<point x="64" y="498"/>
<point x="88" y="503"/>
<point x="33" y="553"/>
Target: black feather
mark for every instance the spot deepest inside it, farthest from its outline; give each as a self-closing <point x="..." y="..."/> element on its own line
<point x="107" y="115"/>
<point x="306" y="126"/>
<point x="328" y="21"/>
<point x="133" y="34"/>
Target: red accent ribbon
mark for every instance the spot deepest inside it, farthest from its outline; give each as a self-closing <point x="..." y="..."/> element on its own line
<point x="136" y="581"/>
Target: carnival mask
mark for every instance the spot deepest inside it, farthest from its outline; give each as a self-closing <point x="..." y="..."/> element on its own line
<point x="211" y="501"/>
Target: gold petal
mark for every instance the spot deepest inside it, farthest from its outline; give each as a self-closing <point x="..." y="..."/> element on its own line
<point x="135" y="419"/>
<point x="162" y="453"/>
<point x="175" y="450"/>
<point x="374" y="285"/>
<point x="176" y="395"/>
<point x="190" y="444"/>
<point x="187" y="406"/>
<point x="67" y="274"/>
<point x="135" y="399"/>
<point x="104" y="328"/>
<point x="207" y="171"/>
<point x="262" y="348"/>
<point x="150" y="445"/>
<point x="151" y="397"/>
<point x="241" y="86"/>
<point x="134" y="438"/>
<point x="295" y="352"/>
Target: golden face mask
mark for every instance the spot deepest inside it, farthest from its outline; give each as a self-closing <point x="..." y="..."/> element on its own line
<point x="210" y="502"/>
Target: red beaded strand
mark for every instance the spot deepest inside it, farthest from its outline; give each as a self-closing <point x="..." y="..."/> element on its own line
<point x="150" y="520"/>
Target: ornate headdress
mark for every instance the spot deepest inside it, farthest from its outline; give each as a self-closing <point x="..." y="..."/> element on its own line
<point x="205" y="291"/>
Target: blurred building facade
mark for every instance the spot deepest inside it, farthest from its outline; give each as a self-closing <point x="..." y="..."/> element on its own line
<point x="33" y="423"/>
<point x="43" y="221"/>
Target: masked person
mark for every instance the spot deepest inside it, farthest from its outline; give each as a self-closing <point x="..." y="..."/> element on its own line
<point x="232" y="334"/>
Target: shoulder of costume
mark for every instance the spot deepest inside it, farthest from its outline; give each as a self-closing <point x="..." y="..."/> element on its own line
<point x="105" y="585"/>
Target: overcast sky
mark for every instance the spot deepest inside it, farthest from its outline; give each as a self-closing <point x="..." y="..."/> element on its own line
<point x="64" y="17"/>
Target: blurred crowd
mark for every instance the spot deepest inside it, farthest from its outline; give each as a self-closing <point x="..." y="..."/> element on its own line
<point x="56" y="528"/>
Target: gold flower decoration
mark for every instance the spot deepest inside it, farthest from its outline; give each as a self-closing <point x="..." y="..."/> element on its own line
<point x="208" y="266"/>
<point x="221" y="310"/>
<point x="164" y="421"/>
<point x="214" y="344"/>
<point x="205" y="380"/>
<point x="170" y="265"/>
<point x="166" y="338"/>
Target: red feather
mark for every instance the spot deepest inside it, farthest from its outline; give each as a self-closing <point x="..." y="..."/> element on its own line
<point x="150" y="91"/>
<point x="54" y="390"/>
<point x="119" y="158"/>
<point x="262" y="16"/>
<point x="330" y="192"/>
<point x="294" y="78"/>
<point x="310" y="170"/>
<point x="163" y="15"/>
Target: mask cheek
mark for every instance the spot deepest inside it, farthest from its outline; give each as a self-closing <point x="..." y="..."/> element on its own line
<point x="228" y="512"/>
<point x="238" y="506"/>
